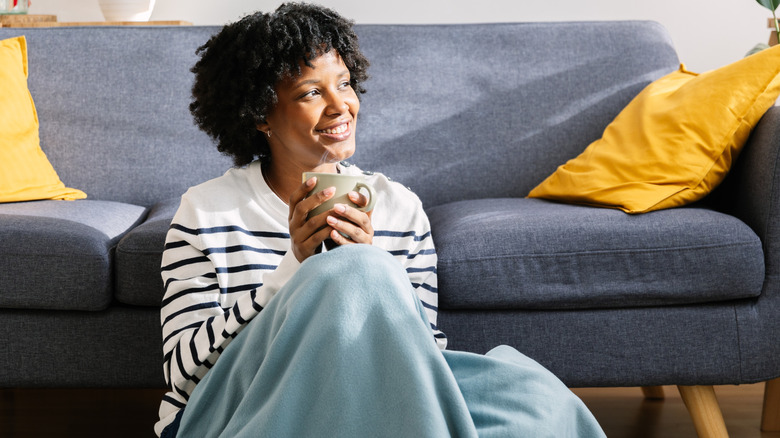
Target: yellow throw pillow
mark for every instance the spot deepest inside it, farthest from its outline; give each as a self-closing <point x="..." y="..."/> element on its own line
<point x="674" y="142"/>
<point x="25" y="172"/>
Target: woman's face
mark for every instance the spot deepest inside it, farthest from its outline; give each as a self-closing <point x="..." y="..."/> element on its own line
<point x="313" y="122"/>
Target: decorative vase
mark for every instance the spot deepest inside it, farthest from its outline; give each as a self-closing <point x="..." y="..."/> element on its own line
<point x="127" y="10"/>
<point x="14" y="6"/>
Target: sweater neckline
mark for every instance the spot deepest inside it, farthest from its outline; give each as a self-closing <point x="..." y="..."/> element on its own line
<point x="266" y="197"/>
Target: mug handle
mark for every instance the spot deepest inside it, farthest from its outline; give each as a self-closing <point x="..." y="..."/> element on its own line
<point x="371" y="195"/>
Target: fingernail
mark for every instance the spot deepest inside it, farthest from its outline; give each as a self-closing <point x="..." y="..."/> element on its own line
<point x="340" y="208"/>
<point x="332" y="220"/>
<point x="311" y="181"/>
<point x="329" y="191"/>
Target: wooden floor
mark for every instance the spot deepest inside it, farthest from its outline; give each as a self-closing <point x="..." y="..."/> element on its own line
<point x="622" y="412"/>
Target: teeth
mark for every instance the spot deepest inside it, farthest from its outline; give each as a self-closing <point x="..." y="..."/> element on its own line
<point x="336" y="130"/>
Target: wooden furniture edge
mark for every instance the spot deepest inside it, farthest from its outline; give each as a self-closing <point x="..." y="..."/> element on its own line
<point x="704" y="410"/>
<point x="98" y="23"/>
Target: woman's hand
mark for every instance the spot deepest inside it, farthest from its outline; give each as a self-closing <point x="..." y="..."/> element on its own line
<point x="349" y="221"/>
<point x="306" y="236"/>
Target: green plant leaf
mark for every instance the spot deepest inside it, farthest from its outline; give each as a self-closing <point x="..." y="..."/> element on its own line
<point x="757" y="48"/>
<point x="769" y="4"/>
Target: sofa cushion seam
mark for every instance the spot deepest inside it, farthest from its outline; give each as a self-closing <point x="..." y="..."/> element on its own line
<point x="599" y="252"/>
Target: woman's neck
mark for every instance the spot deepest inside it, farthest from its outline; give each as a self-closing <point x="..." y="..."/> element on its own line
<point x="284" y="180"/>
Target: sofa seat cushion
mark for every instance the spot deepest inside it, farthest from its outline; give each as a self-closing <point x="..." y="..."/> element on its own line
<point x="536" y="254"/>
<point x="139" y="255"/>
<point x="59" y="254"/>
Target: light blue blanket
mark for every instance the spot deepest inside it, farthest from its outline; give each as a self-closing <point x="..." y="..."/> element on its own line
<point x="345" y="350"/>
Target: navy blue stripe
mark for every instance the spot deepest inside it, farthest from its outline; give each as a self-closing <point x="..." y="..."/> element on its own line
<point x="176" y="244"/>
<point x="181" y="392"/>
<point x="173" y="401"/>
<point x="255" y="306"/>
<point x="167" y="365"/>
<point x="239" y="288"/>
<point x="237" y="314"/>
<point x="426" y="286"/>
<point x="239" y="248"/>
<point x="180" y="365"/>
<point x="229" y="229"/>
<point x="185" y="262"/>
<point x="426" y="269"/>
<point x="191" y="309"/>
<point x="210" y="331"/>
<point x="386" y="233"/>
<point x="177" y="331"/>
<point x="215" y="286"/>
<point x="242" y="268"/>
<point x="206" y="275"/>
<point x="405" y="253"/>
<point x="430" y="306"/>
<point x="181" y="293"/>
<point x="194" y="349"/>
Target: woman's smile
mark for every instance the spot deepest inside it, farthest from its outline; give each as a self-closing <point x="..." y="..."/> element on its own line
<point x="339" y="132"/>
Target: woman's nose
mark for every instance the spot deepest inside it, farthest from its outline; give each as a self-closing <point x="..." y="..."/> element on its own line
<point x="337" y="104"/>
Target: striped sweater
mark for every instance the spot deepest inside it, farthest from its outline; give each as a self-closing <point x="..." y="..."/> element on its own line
<point x="227" y="254"/>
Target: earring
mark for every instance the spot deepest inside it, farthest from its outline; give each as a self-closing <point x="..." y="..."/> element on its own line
<point x="268" y="133"/>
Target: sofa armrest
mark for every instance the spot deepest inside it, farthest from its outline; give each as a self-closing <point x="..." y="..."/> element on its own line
<point x="754" y="186"/>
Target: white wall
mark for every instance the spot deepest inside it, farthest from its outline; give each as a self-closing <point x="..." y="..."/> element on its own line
<point x="707" y="34"/>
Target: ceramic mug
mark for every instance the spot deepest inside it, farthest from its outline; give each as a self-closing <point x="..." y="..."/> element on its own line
<point x="343" y="184"/>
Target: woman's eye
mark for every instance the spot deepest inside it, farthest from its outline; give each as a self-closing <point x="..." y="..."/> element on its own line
<point x="309" y="94"/>
<point x="345" y="84"/>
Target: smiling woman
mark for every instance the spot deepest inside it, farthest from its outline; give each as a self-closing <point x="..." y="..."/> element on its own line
<point x="248" y="73"/>
<point x="268" y="330"/>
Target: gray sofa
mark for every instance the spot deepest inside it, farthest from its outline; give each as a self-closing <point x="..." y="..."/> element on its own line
<point x="471" y="117"/>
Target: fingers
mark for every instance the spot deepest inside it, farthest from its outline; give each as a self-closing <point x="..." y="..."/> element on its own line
<point x="307" y="235"/>
<point x="351" y="222"/>
<point x="358" y="198"/>
<point x="307" y="238"/>
<point x="300" y="205"/>
<point x="299" y="194"/>
<point x="343" y="224"/>
<point x="339" y="238"/>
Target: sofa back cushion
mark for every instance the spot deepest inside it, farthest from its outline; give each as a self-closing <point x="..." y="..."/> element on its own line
<point x="455" y="112"/>
<point x="113" y="109"/>
<point x="489" y="110"/>
<point x="25" y="173"/>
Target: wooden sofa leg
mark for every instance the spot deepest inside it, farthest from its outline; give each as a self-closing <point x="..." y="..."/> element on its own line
<point x="653" y="392"/>
<point x="705" y="411"/>
<point x="770" y="417"/>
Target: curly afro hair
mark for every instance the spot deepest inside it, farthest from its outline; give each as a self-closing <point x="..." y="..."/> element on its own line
<point x="239" y="68"/>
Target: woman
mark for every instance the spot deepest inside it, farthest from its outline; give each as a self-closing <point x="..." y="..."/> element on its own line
<point x="268" y="333"/>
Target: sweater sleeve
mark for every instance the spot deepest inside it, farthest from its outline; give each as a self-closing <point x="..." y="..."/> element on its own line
<point x="403" y="229"/>
<point x="196" y="323"/>
<point x="421" y="266"/>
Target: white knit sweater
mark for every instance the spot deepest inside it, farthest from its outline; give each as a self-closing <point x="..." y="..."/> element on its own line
<point x="227" y="254"/>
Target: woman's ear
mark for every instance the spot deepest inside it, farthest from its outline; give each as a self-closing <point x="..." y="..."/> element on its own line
<point x="264" y="128"/>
